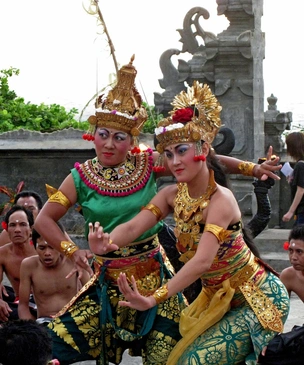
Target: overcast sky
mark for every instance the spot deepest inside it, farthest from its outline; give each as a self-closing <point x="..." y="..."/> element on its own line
<point x="59" y="54"/>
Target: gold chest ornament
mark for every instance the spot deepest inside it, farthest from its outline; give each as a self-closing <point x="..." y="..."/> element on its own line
<point x="188" y="212"/>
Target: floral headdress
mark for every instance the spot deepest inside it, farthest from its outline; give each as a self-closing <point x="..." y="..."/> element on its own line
<point x="122" y="108"/>
<point x="195" y="117"/>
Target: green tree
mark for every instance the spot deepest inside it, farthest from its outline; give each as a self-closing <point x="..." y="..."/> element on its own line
<point x="16" y="114"/>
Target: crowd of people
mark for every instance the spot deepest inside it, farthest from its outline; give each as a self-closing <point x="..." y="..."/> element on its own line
<point x="122" y="292"/>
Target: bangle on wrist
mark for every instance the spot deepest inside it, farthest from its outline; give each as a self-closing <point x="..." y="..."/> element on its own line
<point x="68" y="248"/>
<point x="161" y="294"/>
<point x="246" y="168"/>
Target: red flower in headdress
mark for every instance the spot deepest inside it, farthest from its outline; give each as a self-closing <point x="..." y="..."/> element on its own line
<point x="4" y="225"/>
<point x="183" y="115"/>
<point x="286" y="245"/>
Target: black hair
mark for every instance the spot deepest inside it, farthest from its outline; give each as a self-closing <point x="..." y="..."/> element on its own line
<point x="36" y="235"/>
<point x="297" y="233"/>
<point x="17" y="208"/>
<point x="219" y="173"/>
<point x="24" y="342"/>
<point x="28" y="194"/>
<point x="221" y="179"/>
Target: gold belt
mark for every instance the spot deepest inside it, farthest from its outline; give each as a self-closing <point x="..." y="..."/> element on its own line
<point x="146" y="274"/>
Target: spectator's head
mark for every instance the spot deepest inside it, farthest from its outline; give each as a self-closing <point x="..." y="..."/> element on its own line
<point x="24" y="342"/>
<point x="19" y="222"/>
<point x="297" y="233"/>
<point x="296" y="247"/>
<point x="295" y="145"/>
<point x="30" y="200"/>
<point x="47" y="254"/>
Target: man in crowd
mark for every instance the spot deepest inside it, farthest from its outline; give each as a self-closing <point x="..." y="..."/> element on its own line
<point x="293" y="276"/>
<point x="18" y="222"/>
<point x="31" y="201"/>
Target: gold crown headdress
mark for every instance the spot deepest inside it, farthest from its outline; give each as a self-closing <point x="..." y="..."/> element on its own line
<point x="122" y="108"/>
<point x="195" y="117"/>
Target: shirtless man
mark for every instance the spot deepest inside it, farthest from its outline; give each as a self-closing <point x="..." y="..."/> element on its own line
<point x="293" y="276"/>
<point x="45" y="274"/>
<point x="31" y="201"/>
<point x="19" y="222"/>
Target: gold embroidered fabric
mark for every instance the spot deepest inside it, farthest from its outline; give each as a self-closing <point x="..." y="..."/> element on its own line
<point x="122" y="180"/>
<point x="146" y="273"/>
<point x="61" y="199"/>
<point x="268" y="314"/>
<point x="213" y="302"/>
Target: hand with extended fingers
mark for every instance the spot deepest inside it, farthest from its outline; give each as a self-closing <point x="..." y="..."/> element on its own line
<point x="100" y="242"/>
<point x="268" y="167"/>
<point x="133" y="298"/>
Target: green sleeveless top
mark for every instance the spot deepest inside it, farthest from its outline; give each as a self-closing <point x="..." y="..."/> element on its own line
<point x="114" y="195"/>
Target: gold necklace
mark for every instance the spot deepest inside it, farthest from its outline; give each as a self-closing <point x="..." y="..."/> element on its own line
<point x="188" y="212"/>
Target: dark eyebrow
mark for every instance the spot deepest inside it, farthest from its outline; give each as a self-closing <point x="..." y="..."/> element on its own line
<point x="176" y="147"/>
<point x="119" y="132"/>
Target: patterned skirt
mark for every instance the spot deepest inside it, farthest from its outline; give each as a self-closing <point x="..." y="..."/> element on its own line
<point x="94" y="326"/>
<point x="238" y="337"/>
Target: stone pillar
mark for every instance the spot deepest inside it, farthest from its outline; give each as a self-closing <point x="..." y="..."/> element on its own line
<point x="275" y="124"/>
<point x="230" y="63"/>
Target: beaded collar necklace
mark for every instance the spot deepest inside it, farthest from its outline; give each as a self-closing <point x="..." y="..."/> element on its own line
<point x="122" y="180"/>
<point x="188" y="212"/>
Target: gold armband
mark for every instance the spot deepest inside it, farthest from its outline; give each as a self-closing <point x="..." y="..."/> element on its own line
<point x="68" y="248"/>
<point x="219" y="232"/>
<point x="246" y="168"/>
<point x="161" y="294"/>
<point x="155" y="210"/>
<point x="61" y="199"/>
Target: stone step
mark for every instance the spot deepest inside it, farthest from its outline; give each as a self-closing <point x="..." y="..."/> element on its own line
<point x="276" y="260"/>
<point x="270" y="245"/>
<point x="271" y="240"/>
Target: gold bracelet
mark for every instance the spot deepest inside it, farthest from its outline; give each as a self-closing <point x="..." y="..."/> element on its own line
<point x="61" y="199"/>
<point x="161" y="294"/>
<point x="155" y="210"/>
<point x="68" y="248"/>
<point x="246" y="168"/>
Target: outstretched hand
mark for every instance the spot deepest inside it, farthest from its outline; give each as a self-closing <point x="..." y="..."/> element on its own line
<point x="268" y="167"/>
<point x="134" y="298"/>
<point x="100" y="242"/>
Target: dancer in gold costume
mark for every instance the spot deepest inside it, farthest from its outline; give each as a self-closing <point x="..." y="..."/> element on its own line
<point x="243" y="303"/>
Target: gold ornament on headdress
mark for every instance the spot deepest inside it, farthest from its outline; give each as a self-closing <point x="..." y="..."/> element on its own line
<point x="122" y="108"/>
<point x="195" y="117"/>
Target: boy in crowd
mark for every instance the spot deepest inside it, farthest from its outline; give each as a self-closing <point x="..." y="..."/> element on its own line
<point x="18" y="222"/>
<point x="45" y="276"/>
<point x="293" y="276"/>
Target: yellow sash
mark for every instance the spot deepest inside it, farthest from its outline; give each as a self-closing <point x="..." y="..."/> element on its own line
<point x="201" y="315"/>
